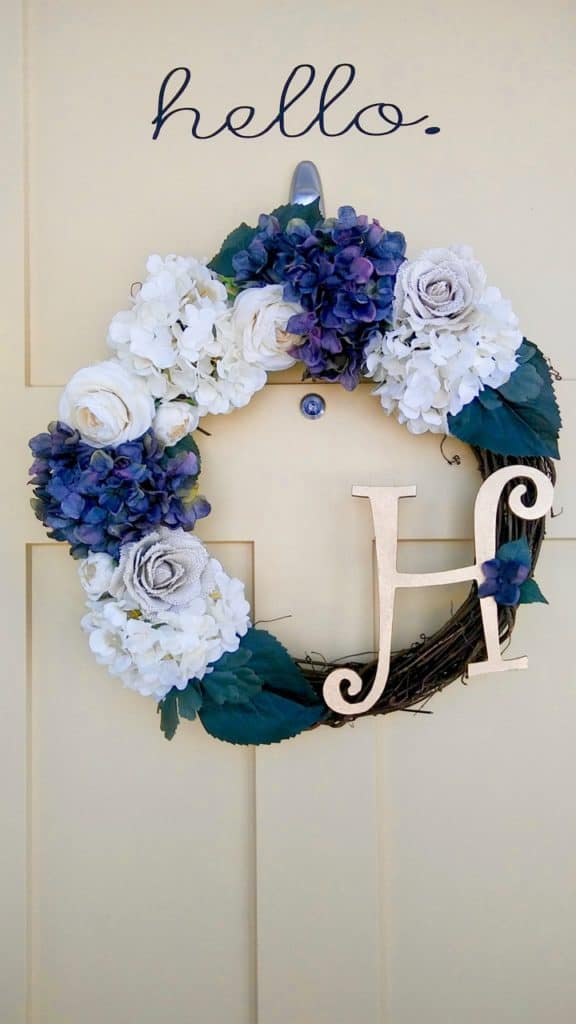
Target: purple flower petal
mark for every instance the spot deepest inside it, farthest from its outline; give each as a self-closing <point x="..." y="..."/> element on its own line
<point x="491" y="568"/>
<point x="488" y="589"/>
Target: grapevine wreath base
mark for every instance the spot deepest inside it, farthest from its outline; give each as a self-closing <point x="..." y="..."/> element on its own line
<point x="116" y="477"/>
<point x="431" y="663"/>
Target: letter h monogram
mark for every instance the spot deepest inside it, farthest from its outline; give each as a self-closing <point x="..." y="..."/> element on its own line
<point x="384" y="504"/>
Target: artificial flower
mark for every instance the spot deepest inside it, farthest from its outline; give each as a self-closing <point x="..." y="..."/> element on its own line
<point x="453" y="337"/>
<point x="341" y="272"/>
<point x="106" y="404"/>
<point x="260" y="317"/>
<point x="96" y="573"/>
<point x="503" y="578"/>
<point x="98" y="499"/>
<point x="178" y="338"/>
<point x="174" y="420"/>
<point x="154" y="651"/>
<point x="162" y="571"/>
<point x="440" y="290"/>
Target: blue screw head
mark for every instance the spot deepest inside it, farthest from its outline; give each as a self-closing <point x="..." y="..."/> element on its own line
<point x="312" y="406"/>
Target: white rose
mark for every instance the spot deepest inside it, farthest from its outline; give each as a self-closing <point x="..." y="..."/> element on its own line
<point x="260" y="316"/>
<point x="174" y="420"/>
<point x="106" y="404"/>
<point x="162" y="571"/>
<point x="96" y="573"/>
<point x="440" y="290"/>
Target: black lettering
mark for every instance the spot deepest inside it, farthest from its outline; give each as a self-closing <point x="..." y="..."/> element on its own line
<point x="239" y="117"/>
<point x="237" y="129"/>
<point x="324" y="105"/>
<point x="164" y="111"/>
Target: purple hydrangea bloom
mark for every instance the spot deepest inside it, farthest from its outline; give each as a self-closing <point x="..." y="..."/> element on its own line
<point x="503" y="578"/>
<point x="99" y="498"/>
<point x="342" y="272"/>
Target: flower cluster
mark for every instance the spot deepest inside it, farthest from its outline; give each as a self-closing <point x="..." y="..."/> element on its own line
<point x="503" y="578"/>
<point x="164" y="614"/>
<point x="452" y="337"/>
<point x="181" y="339"/>
<point x="342" y="273"/>
<point x="100" y="498"/>
<point x="116" y="476"/>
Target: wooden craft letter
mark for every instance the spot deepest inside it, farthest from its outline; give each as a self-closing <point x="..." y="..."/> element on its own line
<point x="384" y="503"/>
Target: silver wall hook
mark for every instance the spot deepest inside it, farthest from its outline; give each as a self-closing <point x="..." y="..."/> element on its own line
<point x="306" y="185"/>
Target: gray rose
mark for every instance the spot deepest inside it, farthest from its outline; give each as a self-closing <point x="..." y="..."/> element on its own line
<point x="440" y="290"/>
<point x="161" y="572"/>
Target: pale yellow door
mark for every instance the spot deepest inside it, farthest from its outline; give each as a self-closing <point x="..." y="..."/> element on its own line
<point x="406" y="870"/>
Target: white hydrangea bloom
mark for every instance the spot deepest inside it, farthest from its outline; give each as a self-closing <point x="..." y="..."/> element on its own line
<point x="179" y="339"/>
<point x="153" y="651"/>
<point x="453" y="336"/>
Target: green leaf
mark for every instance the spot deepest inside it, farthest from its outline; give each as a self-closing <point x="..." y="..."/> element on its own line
<point x="168" y="712"/>
<point x="520" y="418"/>
<point x="524" y="385"/>
<point x="490" y="399"/>
<point x="189" y="701"/>
<point x="515" y="551"/>
<point x="235" y="687"/>
<point x="272" y="662"/>
<point x="281" y="704"/>
<point x="229" y="662"/>
<point x="309" y="213"/>
<point x="185" y="444"/>
<point x="266" y="718"/>
<point x="530" y="593"/>
<point x="236" y="241"/>
<point x="256" y="694"/>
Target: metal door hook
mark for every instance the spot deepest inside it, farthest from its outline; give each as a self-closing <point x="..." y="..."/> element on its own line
<point x="306" y="185"/>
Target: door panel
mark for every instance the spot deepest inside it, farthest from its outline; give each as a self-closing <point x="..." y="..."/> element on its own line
<point x="408" y="868"/>
<point x="478" y="878"/>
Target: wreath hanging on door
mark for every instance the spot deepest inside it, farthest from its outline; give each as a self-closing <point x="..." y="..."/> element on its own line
<point x="116" y="477"/>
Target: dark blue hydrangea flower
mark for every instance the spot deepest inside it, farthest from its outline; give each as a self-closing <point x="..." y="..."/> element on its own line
<point x="99" y="498"/>
<point x="503" y="579"/>
<point x="342" y="272"/>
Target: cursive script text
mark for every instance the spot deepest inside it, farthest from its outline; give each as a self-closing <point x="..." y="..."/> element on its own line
<point x="375" y="119"/>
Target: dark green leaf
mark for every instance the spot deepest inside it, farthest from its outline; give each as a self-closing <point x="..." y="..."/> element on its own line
<point x="186" y="444"/>
<point x="524" y="385"/>
<point x="235" y="687"/>
<point x="266" y="718"/>
<point x="272" y="663"/>
<point x="189" y="701"/>
<point x="490" y="399"/>
<point x="169" y="714"/>
<point x="309" y="213"/>
<point x="520" y="418"/>
<point x="515" y="551"/>
<point x="530" y="593"/>
<point x="236" y="241"/>
<point x="229" y="662"/>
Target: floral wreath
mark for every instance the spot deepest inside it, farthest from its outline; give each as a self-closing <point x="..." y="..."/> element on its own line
<point x="116" y="476"/>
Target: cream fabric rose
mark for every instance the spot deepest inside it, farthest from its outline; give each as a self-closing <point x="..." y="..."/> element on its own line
<point x="260" y="316"/>
<point x="163" y="571"/>
<point x="96" y="573"/>
<point x="174" y="420"/>
<point x="440" y="290"/>
<point x="106" y="404"/>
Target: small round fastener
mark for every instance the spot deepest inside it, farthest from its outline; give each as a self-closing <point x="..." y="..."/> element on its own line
<point x="312" y="406"/>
